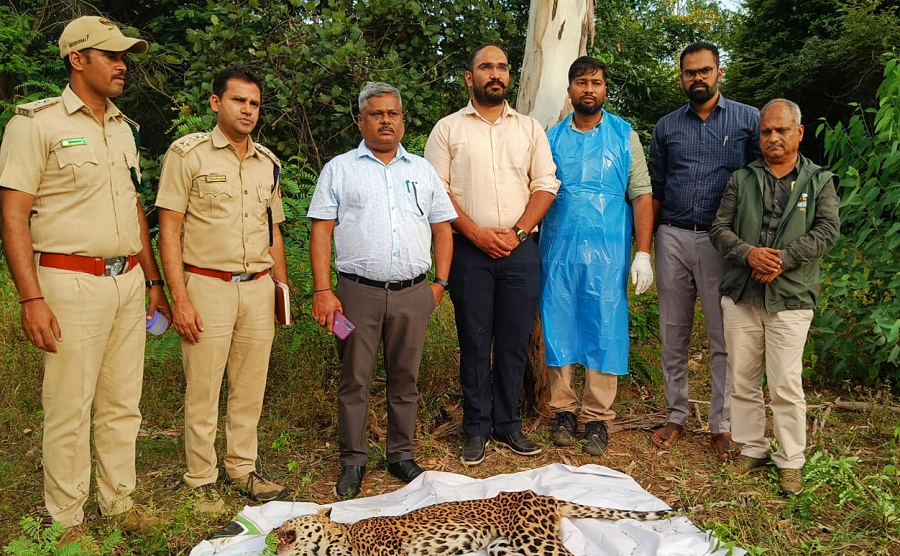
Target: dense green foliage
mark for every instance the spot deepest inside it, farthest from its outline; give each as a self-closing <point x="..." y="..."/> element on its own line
<point x="822" y="54"/>
<point x="858" y="331"/>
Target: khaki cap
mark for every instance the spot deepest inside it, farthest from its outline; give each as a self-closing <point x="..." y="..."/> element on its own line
<point x="97" y="32"/>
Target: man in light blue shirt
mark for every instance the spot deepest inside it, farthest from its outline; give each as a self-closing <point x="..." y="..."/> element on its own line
<point x="385" y="209"/>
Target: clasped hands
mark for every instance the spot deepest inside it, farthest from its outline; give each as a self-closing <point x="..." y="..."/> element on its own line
<point x="766" y="264"/>
<point x="496" y="242"/>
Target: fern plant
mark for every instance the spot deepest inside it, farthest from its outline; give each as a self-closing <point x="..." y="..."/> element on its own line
<point x="36" y="541"/>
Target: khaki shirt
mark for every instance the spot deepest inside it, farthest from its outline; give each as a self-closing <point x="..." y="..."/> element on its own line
<point x="223" y="200"/>
<point x="492" y="169"/>
<point x="85" y="202"/>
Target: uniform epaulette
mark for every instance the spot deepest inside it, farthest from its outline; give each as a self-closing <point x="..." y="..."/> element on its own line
<point x="131" y="122"/>
<point x="188" y="142"/>
<point x="268" y="154"/>
<point x="29" y="109"/>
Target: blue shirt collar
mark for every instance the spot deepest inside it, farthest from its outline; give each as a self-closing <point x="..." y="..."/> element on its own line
<point x="363" y="151"/>
<point x="721" y="104"/>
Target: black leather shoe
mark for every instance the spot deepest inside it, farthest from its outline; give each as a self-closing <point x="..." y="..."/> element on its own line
<point x="518" y="443"/>
<point x="350" y="480"/>
<point x="473" y="451"/>
<point x="405" y="470"/>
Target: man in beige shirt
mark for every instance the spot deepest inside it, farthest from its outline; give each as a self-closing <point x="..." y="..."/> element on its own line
<point x="499" y="170"/>
<point x="73" y="232"/>
<point x="221" y="189"/>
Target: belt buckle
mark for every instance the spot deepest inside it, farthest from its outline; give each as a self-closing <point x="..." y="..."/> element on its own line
<point x="240" y="276"/>
<point x="113" y="266"/>
<point x="394" y="285"/>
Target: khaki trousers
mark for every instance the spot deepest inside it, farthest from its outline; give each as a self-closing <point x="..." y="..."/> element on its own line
<point x="599" y="394"/>
<point x="757" y="341"/>
<point x="238" y="330"/>
<point x="99" y="367"/>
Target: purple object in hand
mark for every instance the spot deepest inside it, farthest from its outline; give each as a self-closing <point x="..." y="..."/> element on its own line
<point x="342" y="327"/>
<point x="157" y="323"/>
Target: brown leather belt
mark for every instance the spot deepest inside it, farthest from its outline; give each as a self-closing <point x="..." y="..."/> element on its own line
<point x="226" y="276"/>
<point x="98" y="266"/>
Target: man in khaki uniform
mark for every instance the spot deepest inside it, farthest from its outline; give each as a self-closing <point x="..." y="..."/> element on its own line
<point x="74" y="232"/>
<point x="222" y="190"/>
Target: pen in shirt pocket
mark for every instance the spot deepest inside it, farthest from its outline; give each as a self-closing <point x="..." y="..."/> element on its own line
<point x="414" y="190"/>
<point x="725" y="141"/>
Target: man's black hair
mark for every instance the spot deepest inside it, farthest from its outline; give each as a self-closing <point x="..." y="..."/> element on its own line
<point x="220" y="81"/>
<point x="697" y="47"/>
<point x="481" y="47"/>
<point x="586" y="64"/>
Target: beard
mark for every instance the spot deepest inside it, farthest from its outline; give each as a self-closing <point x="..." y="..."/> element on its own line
<point x="488" y="97"/>
<point x="587" y="110"/>
<point x="702" y="93"/>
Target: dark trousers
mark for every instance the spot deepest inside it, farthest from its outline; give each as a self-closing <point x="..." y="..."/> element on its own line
<point x="495" y="302"/>
<point x="399" y="319"/>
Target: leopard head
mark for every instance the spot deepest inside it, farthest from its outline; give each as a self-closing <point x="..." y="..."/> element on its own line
<point x="311" y="535"/>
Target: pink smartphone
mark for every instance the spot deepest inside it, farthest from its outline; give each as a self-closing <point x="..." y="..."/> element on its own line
<point x="342" y="327"/>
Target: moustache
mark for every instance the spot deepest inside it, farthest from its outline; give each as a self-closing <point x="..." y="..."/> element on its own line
<point x="386" y="128"/>
<point x="495" y="82"/>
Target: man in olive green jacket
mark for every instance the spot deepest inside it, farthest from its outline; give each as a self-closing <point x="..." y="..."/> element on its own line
<point x="778" y="217"/>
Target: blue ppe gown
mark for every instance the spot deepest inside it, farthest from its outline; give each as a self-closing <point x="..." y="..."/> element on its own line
<point x="585" y="244"/>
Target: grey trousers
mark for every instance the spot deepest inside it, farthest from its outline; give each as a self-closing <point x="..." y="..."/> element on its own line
<point x="399" y="319"/>
<point x="686" y="265"/>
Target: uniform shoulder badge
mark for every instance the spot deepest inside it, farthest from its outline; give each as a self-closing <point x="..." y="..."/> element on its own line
<point x="29" y="109"/>
<point x="268" y="154"/>
<point x="188" y="142"/>
<point x="131" y="122"/>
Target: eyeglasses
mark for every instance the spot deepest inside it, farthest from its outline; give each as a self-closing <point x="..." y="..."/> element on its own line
<point x="704" y="73"/>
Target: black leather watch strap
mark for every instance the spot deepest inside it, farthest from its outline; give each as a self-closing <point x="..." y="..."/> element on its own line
<point x="151" y="283"/>
<point x="521" y="234"/>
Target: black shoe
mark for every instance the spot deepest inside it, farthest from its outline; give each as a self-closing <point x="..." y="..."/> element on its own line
<point x="350" y="480"/>
<point x="405" y="470"/>
<point x="518" y="443"/>
<point x="564" y="429"/>
<point x="596" y="437"/>
<point x="474" y="450"/>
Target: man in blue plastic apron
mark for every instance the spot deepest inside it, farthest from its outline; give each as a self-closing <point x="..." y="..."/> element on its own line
<point x="586" y="245"/>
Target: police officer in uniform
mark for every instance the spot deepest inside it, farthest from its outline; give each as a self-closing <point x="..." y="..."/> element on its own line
<point x="78" y="247"/>
<point x="221" y="190"/>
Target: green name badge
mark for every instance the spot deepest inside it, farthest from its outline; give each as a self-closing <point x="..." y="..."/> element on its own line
<point x="73" y="142"/>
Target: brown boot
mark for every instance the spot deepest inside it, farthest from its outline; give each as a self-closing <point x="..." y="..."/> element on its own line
<point x="260" y="489"/>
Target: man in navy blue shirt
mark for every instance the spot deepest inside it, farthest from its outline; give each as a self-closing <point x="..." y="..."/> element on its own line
<point x="693" y="152"/>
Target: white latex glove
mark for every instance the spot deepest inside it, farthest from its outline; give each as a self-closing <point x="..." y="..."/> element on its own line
<point x="641" y="272"/>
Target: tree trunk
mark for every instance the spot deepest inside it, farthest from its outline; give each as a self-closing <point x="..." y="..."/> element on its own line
<point x="558" y="32"/>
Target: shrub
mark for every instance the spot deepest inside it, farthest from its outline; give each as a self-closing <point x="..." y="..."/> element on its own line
<point x="856" y="333"/>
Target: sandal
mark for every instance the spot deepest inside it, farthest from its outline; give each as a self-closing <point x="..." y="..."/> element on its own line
<point x="667" y="435"/>
<point x="726" y="449"/>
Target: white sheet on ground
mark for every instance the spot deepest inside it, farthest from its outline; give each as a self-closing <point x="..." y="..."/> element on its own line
<point x="592" y="485"/>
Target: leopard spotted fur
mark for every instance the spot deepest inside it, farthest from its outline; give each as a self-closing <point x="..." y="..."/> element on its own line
<point x="512" y="523"/>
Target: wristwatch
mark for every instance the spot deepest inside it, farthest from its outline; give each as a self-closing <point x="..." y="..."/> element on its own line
<point x="520" y="233"/>
<point x="443" y="283"/>
<point x="151" y="283"/>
